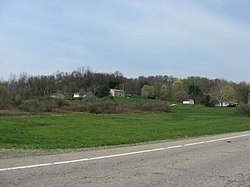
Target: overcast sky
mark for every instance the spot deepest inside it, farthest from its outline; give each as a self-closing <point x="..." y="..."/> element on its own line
<point x="209" y="38"/>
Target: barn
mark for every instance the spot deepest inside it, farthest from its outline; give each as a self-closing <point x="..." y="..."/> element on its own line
<point x="117" y="93"/>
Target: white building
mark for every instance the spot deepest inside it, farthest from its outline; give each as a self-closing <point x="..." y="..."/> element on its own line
<point x="224" y="104"/>
<point x="117" y="93"/>
<point x="188" y="102"/>
<point x="228" y="104"/>
<point x="78" y="95"/>
<point x="57" y="95"/>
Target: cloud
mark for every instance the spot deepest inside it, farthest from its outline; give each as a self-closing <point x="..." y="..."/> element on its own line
<point x="134" y="36"/>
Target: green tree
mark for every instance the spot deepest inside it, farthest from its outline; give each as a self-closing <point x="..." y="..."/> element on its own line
<point x="148" y="91"/>
<point x="222" y="93"/>
<point x="102" y="91"/>
<point x="206" y="101"/>
<point x="178" y="90"/>
<point x="194" y="92"/>
<point x="242" y="92"/>
<point x="164" y="92"/>
<point x="229" y="93"/>
<point x="178" y="85"/>
<point x="249" y="98"/>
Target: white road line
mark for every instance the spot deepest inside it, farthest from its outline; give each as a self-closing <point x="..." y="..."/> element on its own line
<point x="122" y="154"/>
<point x="191" y="144"/>
<point x="211" y="141"/>
<point x="173" y="147"/>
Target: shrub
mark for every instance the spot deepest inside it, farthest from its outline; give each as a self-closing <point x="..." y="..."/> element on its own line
<point x="17" y="100"/>
<point x="94" y="109"/>
<point x="104" y="107"/>
<point x="32" y="105"/>
<point x="158" y="107"/>
<point x="243" y="110"/>
<point x="5" y="99"/>
<point x="108" y="106"/>
<point x="60" y="102"/>
<point x="151" y="107"/>
<point x="49" y="105"/>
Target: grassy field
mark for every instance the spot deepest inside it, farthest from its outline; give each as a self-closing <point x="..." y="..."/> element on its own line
<point x="81" y="130"/>
<point x="134" y="99"/>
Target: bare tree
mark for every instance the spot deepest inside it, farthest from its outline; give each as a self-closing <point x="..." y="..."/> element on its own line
<point x="222" y="92"/>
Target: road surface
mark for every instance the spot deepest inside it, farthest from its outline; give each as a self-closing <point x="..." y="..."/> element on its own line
<point x="221" y="160"/>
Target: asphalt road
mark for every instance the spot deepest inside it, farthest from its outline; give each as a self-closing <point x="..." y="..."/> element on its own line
<point x="222" y="160"/>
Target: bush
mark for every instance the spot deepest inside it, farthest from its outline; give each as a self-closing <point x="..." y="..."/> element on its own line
<point x="160" y="107"/>
<point x="32" y="105"/>
<point x="5" y="99"/>
<point x="49" y="105"/>
<point x="104" y="107"/>
<point x="17" y="100"/>
<point x="150" y="107"/>
<point x="108" y="106"/>
<point x="43" y="105"/>
<point x="59" y="102"/>
<point x="243" y="110"/>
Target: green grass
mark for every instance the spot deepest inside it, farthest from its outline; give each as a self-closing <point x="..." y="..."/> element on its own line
<point x="80" y="130"/>
<point x="134" y="99"/>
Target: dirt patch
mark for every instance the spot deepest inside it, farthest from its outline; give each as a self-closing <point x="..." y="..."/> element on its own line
<point x="22" y="113"/>
<point x="13" y="113"/>
<point x="21" y="153"/>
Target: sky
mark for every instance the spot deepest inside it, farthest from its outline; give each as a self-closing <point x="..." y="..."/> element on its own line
<point x="182" y="38"/>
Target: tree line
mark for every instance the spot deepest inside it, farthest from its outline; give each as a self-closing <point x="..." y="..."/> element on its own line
<point x="168" y="88"/>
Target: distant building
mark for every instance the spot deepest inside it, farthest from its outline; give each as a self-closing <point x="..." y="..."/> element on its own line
<point x="78" y="95"/>
<point x="117" y="93"/>
<point x="229" y="104"/>
<point x="57" y="95"/>
<point x="188" y="102"/>
<point x="224" y="104"/>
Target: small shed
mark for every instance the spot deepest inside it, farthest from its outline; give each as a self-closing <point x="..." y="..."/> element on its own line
<point x="117" y="93"/>
<point x="188" y="102"/>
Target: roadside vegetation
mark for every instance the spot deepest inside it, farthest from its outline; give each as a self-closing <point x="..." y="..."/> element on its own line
<point x="243" y="110"/>
<point x="107" y="105"/>
<point x="81" y="130"/>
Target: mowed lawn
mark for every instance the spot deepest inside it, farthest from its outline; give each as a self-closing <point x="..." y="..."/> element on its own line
<point x="81" y="130"/>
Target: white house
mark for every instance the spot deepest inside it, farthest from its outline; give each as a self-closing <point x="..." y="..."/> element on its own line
<point x="224" y="104"/>
<point x="57" y="95"/>
<point x="188" y="102"/>
<point x="228" y="104"/>
<point x="78" y="95"/>
<point x="117" y="93"/>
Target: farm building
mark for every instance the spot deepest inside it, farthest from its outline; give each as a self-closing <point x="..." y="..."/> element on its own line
<point x="188" y="102"/>
<point x="117" y="93"/>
